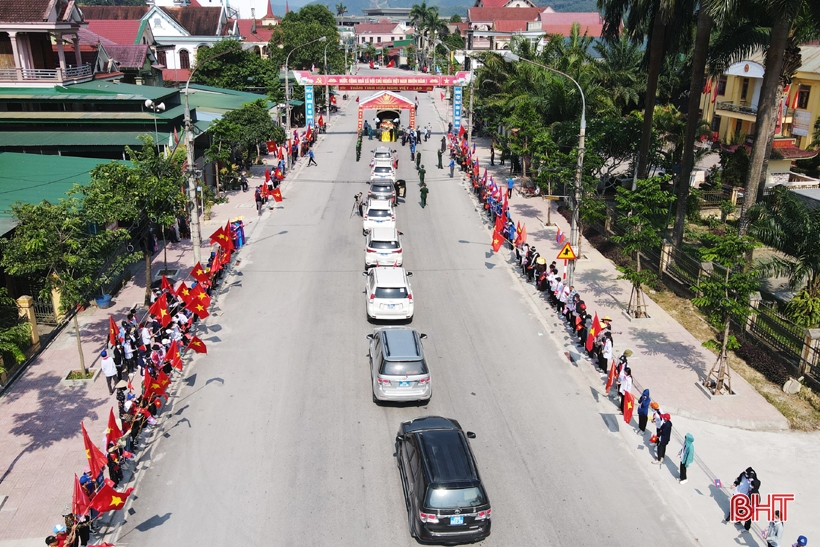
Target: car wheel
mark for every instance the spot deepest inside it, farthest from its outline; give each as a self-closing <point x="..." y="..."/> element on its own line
<point x="375" y="401"/>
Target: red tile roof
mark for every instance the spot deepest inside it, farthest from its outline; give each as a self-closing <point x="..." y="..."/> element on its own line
<point x="113" y="12"/>
<point x="92" y="38"/>
<point x="503" y="14"/>
<point x="176" y="74"/>
<point x="30" y="11"/>
<point x="262" y="34"/>
<point x="511" y="26"/>
<point x="197" y="21"/>
<point x="584" y="18"/>
<point x="461" y="28"/>
<point x="377" y="28"/>
<point x="130" y="56"/>
<point x="118" y="31"/>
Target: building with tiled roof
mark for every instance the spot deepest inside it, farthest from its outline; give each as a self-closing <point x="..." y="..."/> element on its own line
<point x="27" y="31"/>
<point x="122" y="31"/>
<point x="381" y="32"/>
<point x="504" y="4"/>
<point x="492" y="26"/>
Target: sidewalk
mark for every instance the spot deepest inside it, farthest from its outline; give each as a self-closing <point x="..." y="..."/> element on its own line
<point x="731" y="433"/>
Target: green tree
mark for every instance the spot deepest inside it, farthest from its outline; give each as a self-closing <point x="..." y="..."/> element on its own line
<point x="455" y="18"/>
<point x="642" y="216"/>
<point x="15" y="337"/>
<point x="620" y="73"/>
<point x="784" y="222"/>
<point x="248" y="127"/>
<point x="297" y="29"/>
<point x="236" y="68"/>
<point x="145" y="193"/>
<point x="341" y="9"/>
<point x="725" y="295"/>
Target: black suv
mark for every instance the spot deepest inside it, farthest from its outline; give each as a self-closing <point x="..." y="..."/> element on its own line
<point x="446" y="502"/>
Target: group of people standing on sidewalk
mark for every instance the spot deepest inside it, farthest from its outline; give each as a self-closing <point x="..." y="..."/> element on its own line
<point x="146" y="349"/>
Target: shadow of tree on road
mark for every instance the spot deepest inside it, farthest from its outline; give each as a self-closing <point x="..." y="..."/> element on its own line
<point x="685" y="356"/>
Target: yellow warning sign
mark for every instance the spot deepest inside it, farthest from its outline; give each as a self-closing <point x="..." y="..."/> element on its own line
<point x="567" y="253"/>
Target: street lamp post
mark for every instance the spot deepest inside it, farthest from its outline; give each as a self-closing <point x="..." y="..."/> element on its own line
<point x="574" y="236"/>
<point x="287" y="90"/>
<point x="196" y="240"/>
<point x="327" y="88"/>
<point x="154" y="107"/>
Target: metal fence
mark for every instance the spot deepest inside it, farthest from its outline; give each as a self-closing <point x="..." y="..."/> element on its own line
<point x="44" y="313"/>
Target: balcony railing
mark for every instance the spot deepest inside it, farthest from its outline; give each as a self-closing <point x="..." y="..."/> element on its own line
<point x="44" y="74"/>
<point x="739" y="108"/>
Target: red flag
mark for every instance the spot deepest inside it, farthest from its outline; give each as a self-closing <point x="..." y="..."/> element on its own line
<point x="321" y="121"/>
<point x="226" y="257"/>
<point x="222" y="238"/>
<point x="442" y="96"/>
<point x="499" y="224"/>
<point x="461" y="132"/>
<point x="611" y="377"/>
<point x="267" y="174"/>
<point x="281" y="154"/>
<point x="277" y="195"/>
<point x="172" y="355"/>
<point x="113" y="433"/>
<point x="199" y="274"/>
<point x="184" y="292"/>
<point x="593" y="332"/>
<point x="198" y="308"/>
<point x="357" y="99"/>
<point x="155" y="386"/>
<point x="332" y="99"/>
<point x="498" y="240"/>
<point x="166" y="285"/>
<point x="794" y="99"/>
<point x="96" y="459"/>
<point x="197" y="345"/>
<point x="391" y="64"/>
<point x="159" y="309"/>
<point x="715" y="91"/>
<point x="108" y="499"/>
<point x="130" y="385"/>
<point x="112" y="331"/>
<point x="629" y="405"/>
<point x="521" y="238"/>
<point x="79" y="500"/>
<point x="198" y="294"/>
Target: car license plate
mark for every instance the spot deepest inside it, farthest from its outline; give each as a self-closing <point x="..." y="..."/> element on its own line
<point x="384" y="254"/>
<point x="456" y="519"/>
<point x="391" y="306"/>
<point x="404" y="384"/>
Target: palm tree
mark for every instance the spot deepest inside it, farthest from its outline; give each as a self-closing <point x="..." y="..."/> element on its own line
<point x="426" y="21"/>
<point x="619" y="71"/>
<point x="787" y="224"/>
<point x="341" y="9"/>
<point x="665" y="24"/>
<point x="783" y="14"/>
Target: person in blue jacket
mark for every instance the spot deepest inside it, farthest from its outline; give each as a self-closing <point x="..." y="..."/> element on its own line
<point x="643" y="411"/>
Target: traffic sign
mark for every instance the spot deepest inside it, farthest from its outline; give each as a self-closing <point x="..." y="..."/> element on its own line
<point x="567" y="253"/>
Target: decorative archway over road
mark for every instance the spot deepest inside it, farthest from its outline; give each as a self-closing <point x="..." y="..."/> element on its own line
<point x="411" y="82"/>
<point x="387" y="100"/>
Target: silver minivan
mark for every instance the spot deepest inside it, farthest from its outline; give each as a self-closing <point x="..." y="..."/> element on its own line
<point x="398" y="368"/>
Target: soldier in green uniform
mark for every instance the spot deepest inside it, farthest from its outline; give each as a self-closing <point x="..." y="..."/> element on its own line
<point x="438" y="152"/>
<point x="418" y="159"/>
<point x="423" y="192"/>
<point x="422" y="172"/>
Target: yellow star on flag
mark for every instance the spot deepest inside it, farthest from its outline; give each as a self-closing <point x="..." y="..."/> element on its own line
<point x="108" y="430"/>
<point x="185" y="292"/>
<point x="202" y="296"/>
<point x="163" y="313"/>
<point x="195" y="343"/>
<point x="116" y="501"/>
<point x="155" y="386"/>
<point x="88" y="453"/>
<point x="495" y="240"/>
<point x="199" y="307"/>
<point x="628" y="405"/>
<point x="222" y="236"/>
<point x="198" y="272"/>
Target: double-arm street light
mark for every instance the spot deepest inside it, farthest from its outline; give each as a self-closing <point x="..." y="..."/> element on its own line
<point x="327" y="88"/>
<point x="574" y="236"/>
<point x="287" y="87"/>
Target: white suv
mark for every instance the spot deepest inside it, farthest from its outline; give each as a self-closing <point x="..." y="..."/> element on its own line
<point x="388" y="293"/>
<point x="378" y="213"/>
<point x="383" y="247"/>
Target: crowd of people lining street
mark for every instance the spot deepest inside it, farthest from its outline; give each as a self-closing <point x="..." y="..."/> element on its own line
<point x="138" y="362"/>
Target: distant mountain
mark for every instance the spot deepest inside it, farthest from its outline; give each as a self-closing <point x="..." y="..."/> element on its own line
<point x="450" y="7"/>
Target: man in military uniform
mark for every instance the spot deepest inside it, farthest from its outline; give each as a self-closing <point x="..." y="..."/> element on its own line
<point x="422" y="172"/>
<point x="418" y="160"/>
<point x="423" y="192"/>
<point x="439" y="153"/>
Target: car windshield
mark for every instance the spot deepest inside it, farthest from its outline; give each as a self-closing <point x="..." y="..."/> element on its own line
<point x="451" y="498"/>
<point x="382" y="154"/>
<point x="403" y="368"/>
<point x="383" y="170"/>
<point x="391" y="292"/>
<point x="384" y="244"/>
<point x="380" y="213"/>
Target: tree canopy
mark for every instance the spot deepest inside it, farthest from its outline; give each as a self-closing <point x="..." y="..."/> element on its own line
<point x="235" y="68"/>
<point x="299" y="28"/>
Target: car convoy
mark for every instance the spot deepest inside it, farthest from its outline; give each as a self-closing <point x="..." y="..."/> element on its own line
<point x="445" y="498"/>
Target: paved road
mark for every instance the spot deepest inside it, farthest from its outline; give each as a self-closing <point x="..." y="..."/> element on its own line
<point x="274" y="439"/>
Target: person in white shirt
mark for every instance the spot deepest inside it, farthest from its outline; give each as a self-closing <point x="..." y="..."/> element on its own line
<point x="109" y="370"/>
<point x="774" y="534"/>
<point x="626" y="385"/>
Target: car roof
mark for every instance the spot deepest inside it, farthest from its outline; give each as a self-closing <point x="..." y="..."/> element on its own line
<point x="379" y="204"/>
<point x="390" y="276"/>
<point x="401" y="344"/>
<point x="382" y="233"/>
<point x="447" y="457"/>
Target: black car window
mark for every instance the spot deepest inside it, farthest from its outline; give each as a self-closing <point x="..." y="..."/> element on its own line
<point x="403" y="368"/>
<point x="391" y="292"/>
<point x="384" y="244"/>
<point x="384" y="170"/>
<point x="379" y="213"/>
<point x="451" y="498"/>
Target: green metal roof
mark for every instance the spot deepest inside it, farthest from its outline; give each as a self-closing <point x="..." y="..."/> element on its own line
<point x="94" y="117"/>
<point x="66" y="139"/>
<point x="214" y="99"/>
<point x="32" y="178"/>
<point x="96" y="91"/>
